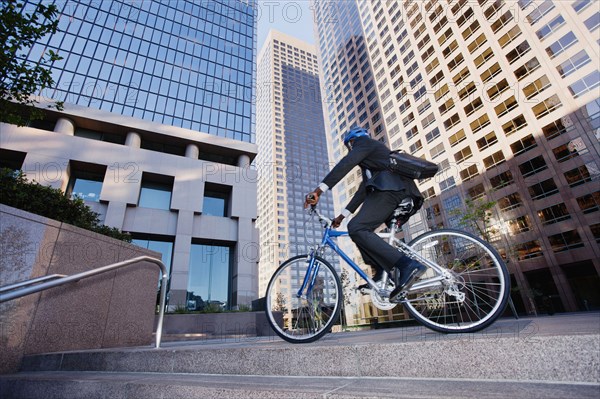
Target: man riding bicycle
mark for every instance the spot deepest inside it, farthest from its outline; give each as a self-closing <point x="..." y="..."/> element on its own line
<point x="380" y="193"/>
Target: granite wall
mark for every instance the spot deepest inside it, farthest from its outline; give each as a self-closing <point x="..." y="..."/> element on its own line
<point x="113" y="309"/>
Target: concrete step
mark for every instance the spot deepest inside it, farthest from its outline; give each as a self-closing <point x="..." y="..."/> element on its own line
<point x="544" y="357"/>
<point x="511" y="350"/>
<point x="90" y="385"/>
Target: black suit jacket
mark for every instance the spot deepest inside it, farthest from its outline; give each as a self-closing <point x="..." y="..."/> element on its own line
<point x="373" y="158"/>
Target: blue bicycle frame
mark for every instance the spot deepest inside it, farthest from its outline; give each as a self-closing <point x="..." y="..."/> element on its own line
<point x="313" y="268"/>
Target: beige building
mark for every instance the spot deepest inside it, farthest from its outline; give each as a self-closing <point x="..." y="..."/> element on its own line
<point x="189" y="195"/>
<point x="504" y="95"/>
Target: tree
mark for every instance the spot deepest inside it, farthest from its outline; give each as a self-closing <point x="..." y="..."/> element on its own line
<point x="21" y="79"/>
<point x="477" y="216"/>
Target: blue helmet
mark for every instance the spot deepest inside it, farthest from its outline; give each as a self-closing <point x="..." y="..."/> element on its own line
<point x="354" y="133"/>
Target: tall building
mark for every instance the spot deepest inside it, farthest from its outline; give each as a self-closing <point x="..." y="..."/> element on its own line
<point x="157" y="134"/>
<point x="292" y="155"/>
<point x="504" y="96"/>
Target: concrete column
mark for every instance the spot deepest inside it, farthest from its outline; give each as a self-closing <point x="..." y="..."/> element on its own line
<point x="115" y="214"/>
<point x="192" y="151"/>
<point x="133" y="139"/>
<point x="243" y="161"/>
<point x="65" y="126"/>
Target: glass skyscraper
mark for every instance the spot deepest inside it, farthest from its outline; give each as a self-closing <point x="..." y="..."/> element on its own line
<point x="157" y="133"/>
<point x="292" y="154"/>
<point x="183" y="63"/>
<point x="504" y="96"/>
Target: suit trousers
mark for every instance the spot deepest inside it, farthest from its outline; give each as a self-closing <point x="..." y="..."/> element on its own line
<point x="377" y="208"/>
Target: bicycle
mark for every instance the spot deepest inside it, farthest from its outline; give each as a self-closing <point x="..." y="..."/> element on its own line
<point x="465" y="288"/>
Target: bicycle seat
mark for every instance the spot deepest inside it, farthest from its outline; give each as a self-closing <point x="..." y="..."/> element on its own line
<point x="404" y="210"/>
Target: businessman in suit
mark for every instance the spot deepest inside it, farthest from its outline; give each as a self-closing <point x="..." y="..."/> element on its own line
<point x="379" y="193"/>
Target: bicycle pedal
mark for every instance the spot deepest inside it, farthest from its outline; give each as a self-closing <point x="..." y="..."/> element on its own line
<point x="364" y="291"/>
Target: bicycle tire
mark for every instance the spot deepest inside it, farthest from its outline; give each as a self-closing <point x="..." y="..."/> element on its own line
<point x="481" y="275"/>
<point x="290" y="316"/>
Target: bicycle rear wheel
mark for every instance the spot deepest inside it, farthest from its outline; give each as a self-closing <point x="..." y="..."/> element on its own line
<point x="307" y="317"/>
<point x="478" y="291"/>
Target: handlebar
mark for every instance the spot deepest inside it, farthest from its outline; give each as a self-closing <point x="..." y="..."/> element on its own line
<point x="325" y="221"/>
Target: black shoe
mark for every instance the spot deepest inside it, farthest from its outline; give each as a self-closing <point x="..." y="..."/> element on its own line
<point x="408" y="275"/>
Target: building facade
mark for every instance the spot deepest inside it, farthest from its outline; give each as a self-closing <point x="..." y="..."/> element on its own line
<point x="292" y="150"/>
<point x="157" y="135"/>
<point x="504" y="96"/>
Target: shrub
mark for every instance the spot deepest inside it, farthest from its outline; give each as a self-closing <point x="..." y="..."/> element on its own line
<point x="52" y="203"/>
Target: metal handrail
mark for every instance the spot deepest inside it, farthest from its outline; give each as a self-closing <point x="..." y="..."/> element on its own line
<point x="76" y="277"/>
<point x="11" y="287"/>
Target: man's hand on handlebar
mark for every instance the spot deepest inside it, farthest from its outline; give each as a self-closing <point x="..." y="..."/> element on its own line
<point x="335" y="223"/>
<point x="312" y="198"/>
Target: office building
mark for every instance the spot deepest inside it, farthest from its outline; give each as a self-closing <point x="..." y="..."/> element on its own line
<point x="292" y="150"/>
<point x="504" y="96"/>
<point x="157" y="134"/>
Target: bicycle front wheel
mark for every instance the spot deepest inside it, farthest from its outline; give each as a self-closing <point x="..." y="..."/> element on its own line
<point x="302" y="317"/>
<point x="476" y="293"/>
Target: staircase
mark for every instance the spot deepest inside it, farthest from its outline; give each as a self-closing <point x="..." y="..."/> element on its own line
<point x="559" y="356"/>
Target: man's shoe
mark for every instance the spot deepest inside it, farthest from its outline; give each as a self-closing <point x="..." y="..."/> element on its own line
<point x="408" y="275"/>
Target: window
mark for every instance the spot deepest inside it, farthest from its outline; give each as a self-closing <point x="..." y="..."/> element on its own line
<point x="581" y="174"/>
<point x="208" y="282"/>
<point x="570" y="150"/>
<point x="468" y="89"/>
<point x="435" y="133"/>
<point x="457" y="138"/>
<point x="476" y="192"/>
<point x="502" y="180"/>
<point x="585" y="85"/>
<point x="554" y="214"/>
<point x="556" y="128"/>
<point x="509" y="36"/>
<point x="527" y="69"/>
<point x="491" y="72"/>
<point x="593" y="22"/>
<point x="552" y="26"/>
<point x="437" y="150"/>
<point x="574" y="63"/>
<point x="86" y="181"/>
<point x="595" y="229"/>
<point x="101" y="136"/>
<point x="545" y="107"/>
<point x="495" y="159"/>
<point x="156" y="191"/>
<point x="439" y="94"/>
<point x="487" y="141"/>
<point x="484" y="57"/>
<point x="450" y="49"/>
<point x="514" y="125"/>
<point x="540" y="11"/>
<point x="537" y="86"/>
<point x="506" y="106"/>
<point x="456" y="62"/>
<point x="529" y="250"/>
<point x="428" y="120"/>
<point x="216" y="200"/>
<point x="533" y="166"/>
<point x="543" y="189"/>
<point x="161" y="245"/>
<point x="519" y="225"/>
<point x="447" y="184"/>
<point x="518" y="52"/>
<point x="480" y="123"/>
<point x="429" y="193"/>
<point x="471" y="29"/>
<point x="469" y="173"/>
<point x="451" y="122"/>
<point x="565" y="241"/>
<point x="415" y="147"/>
<point x="497" y="89"/>
<point x="447" y="106"/>
<point x="477" y="43"/>
<point x="561" y="44"/>
<point x="525" y="144"/>
<point x="463" y="154"/>
<point x="589" y="203"/>
<point x="503" y="20"/>
<point x="579" y="5"/>
<point x="474" y="106"/>
<point x="510" y="202"/>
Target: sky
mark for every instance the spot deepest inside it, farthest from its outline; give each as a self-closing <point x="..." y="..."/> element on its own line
<point x="292" y="17"/>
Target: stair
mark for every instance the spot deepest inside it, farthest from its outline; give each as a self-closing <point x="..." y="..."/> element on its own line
<point x="511" y="353"/>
